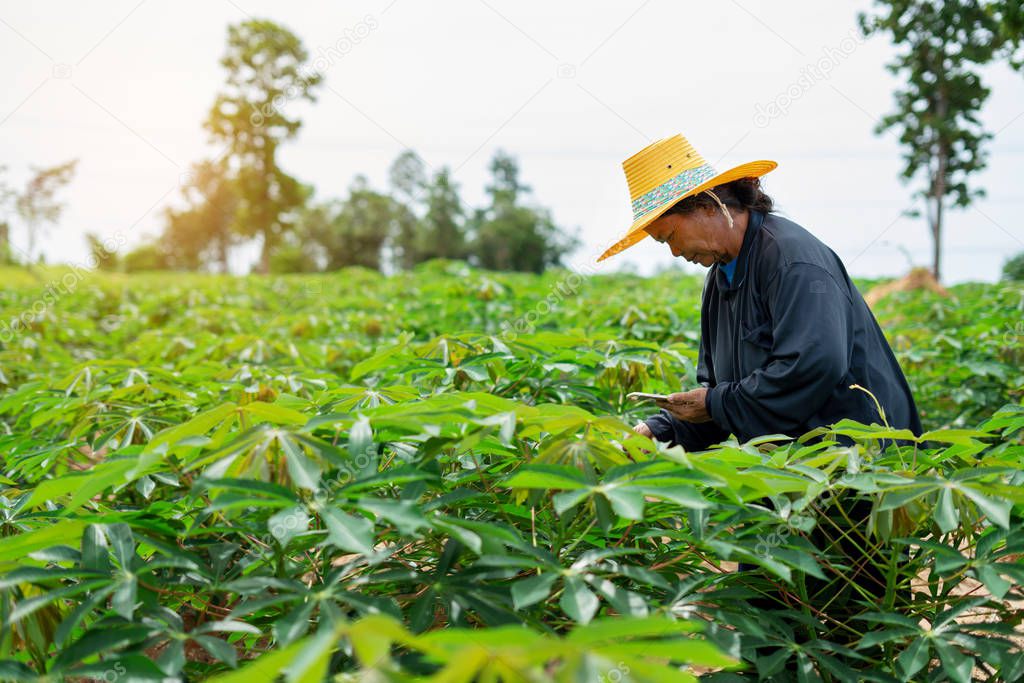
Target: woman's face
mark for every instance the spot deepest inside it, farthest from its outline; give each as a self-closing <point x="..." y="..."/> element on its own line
<point x="697" y="237"/>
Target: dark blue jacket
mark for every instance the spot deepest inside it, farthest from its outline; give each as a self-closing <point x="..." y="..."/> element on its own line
<point x="781" y="345"/>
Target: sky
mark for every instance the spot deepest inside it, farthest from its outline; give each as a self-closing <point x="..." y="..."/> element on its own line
<point x="569" y="88"/>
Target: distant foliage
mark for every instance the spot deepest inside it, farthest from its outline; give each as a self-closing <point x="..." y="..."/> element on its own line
<point x="37" y="207"/>
<point x="424" y="219"/>
<point x="267" y="72"/>
<point x="145" y="257"/>
<point x="204" y="230"/>
<point x="513" y="235"/>
<point x="1014" y="268"/>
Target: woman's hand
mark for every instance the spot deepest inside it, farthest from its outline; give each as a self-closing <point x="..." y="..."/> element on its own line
<point x="687" y="405"/>
<point x="642" y="428"/>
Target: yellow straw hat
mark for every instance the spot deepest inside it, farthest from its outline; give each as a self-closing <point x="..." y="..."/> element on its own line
<point x="665" y="172"/>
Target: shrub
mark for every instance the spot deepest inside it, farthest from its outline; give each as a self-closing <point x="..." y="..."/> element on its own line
<point x="1013" y="269"/>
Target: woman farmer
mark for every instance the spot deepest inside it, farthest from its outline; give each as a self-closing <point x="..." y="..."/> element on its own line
<point x="784" y="331"/>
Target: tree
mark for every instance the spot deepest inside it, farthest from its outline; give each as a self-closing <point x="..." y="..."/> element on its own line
<point x="937" y="110"/>
<point x="265" y="64"/>
<point x="432" y="222"/>
<point x="147" y="256"/>
<point x="442" y="232"/>
<point x="408" y="183"/>
<point x="505" y="188"/>
<point x="202" y="232"/>
<point x="407" y="176"/>
<point x="355" y="232"/>
<point x="5" y="244"/>
<point x="514" y="236"/>
<point x="100" y="253"/>
<point x="1013" y="270"/>
<point x="37" y="206"/>
<point x="7" y="196"/>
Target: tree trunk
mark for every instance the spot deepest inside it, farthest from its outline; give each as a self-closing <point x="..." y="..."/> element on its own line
<point x="222" y="253"/>
<point x="5" y="244"/>
<point x="31" y="244"/>
<point x="939" y="186"/>
<point x="937" y="241"/>
<point x="265" y="255"/>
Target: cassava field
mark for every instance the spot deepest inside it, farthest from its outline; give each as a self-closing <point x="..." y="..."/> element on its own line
<point x="432" y="476"/>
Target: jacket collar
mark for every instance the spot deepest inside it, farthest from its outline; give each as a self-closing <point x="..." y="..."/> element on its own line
<point x="754" y="222"/>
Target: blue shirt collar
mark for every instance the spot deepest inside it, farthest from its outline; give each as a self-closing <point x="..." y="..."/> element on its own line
<point x="729" y="269"/>
<point x="733" y="271"/>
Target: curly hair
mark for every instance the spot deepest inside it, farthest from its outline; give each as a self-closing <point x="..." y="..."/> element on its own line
<point x="742" y="194"/>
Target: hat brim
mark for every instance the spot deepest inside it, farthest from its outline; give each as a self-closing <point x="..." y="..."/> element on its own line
<point x="637" y="231"/>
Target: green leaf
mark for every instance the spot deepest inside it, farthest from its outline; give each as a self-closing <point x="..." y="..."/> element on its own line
<point x="605" y="517"/>
<point x="468" y="538"/>
<point x="295" y="623"/>
<point x="80" y="612"/>
<point x="123" y="543"/>
<point x="197" y="426"/>
<point x="406" y="515"/>
<point x="685" y="496"/>
<point x="254" y="490"/>
<point x="20" y="546"/>
<point x="625" y="602"/>
<point x="83" y="485"/>
<point x="288" y="523"/>
<point x="771" y="664"/>
<point x="123" y="601"/>
<point x="221" y="650"/>
<point x="946" y="514"/>
<point x="381" y="359"/>
<point x="687" y="650"/>
<point x="303" y="471"/>
<point x="997" y="510"/>
<point x="348" y="532"/>
<point x="129" y="668"/>
<point x="955" y="665"/>
<point x="627" y="502"/>
<point x="309" y="665"/>
<point x="988" y="574"/>
<point x="38" y="575"/>
<point x="361" y="447"/>
<point x="529" y="591"/>
<point x="547" y="478"/>
<point x="913" y="659"/>
<point x="801" y="560"/>
<point x="275" y="414"/>
<point x="578" y="602"/>
<point x="564" y="500"/>
<point x="613" y="629"/>
<point x="16" y="671"/>
<point x="25" y="608"/>
<point x="265" y="668"/>
<point x="95" y="553"/>
<point x="898" y="497"/>
<point x="372" y="638"/>
<point x="962" y="437"/>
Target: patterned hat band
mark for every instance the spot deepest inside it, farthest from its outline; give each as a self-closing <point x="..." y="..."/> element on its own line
<point x="671" y="189"/>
